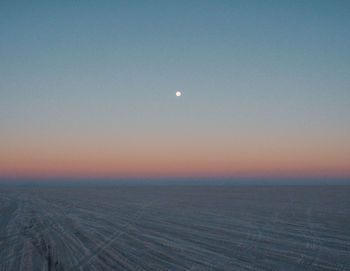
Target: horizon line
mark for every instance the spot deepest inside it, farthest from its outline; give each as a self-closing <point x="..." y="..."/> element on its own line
<point x="184" y="181"/>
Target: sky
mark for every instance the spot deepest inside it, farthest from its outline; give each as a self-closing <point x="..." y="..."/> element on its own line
<point x="87" y="89"/>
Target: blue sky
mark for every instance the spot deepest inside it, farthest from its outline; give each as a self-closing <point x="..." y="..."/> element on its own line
<point x="261" y="80"/>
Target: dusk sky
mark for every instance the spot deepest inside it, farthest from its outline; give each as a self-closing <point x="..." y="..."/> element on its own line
<point x="87" y="89"/>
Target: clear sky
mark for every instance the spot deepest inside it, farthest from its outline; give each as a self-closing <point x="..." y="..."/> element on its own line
<point x="87" y="89"/>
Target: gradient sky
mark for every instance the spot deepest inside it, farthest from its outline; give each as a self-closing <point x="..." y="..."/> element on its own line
<point x="87" y="89"/>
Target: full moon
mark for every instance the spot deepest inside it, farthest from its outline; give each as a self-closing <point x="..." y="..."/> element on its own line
<point x="178" y="93"/>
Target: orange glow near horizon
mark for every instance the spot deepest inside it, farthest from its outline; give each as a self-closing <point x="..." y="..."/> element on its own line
<point x="172" y="162"/>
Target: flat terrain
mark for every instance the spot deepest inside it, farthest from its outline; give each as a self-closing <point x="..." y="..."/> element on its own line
<point x="175" y="228"/>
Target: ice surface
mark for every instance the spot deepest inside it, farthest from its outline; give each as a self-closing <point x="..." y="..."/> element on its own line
<point x="175" y="228"/>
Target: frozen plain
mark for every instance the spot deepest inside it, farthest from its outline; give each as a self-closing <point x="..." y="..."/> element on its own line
<point x="175" y="228"/>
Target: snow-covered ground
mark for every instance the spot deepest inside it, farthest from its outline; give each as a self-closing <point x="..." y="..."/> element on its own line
<point x="175" y="228"/>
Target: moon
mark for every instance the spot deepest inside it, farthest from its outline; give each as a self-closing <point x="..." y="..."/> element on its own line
<point x="178" y="93"/>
